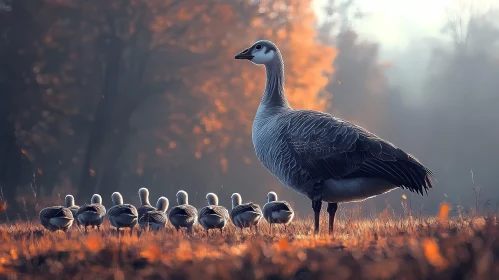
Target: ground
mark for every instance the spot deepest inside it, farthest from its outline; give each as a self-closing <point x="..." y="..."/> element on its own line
<point x="378" y="248"/>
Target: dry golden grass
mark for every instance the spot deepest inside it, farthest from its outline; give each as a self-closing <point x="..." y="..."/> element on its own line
<point x="381" y="248"/>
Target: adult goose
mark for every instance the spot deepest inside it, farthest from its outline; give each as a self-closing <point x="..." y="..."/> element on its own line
<point x="122" y="215"/>
<point x="213" y="216"/>
<point x="92" y="214"/>
<point x="156" y="219"/>
<point x="69" y="201"/>
<point x="56" y="218"/>
<point x="321" y="156"/>
<point x="145" y="206"/>
<point x="277" y="212"/>
<point x="183" y="215"/>
<point x="245" y="214"/>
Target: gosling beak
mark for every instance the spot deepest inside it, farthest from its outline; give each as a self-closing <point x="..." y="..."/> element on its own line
<point x="244" y="55"/>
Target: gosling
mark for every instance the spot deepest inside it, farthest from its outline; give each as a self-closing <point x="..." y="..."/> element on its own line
<point x="277" y="212"/>
<point x="156" y="219"/>
<point x="183" y="215"/>
<point x="213" y="216"/>
<point x="92" y="214"/>
<point x="245" y="215"/>
<point x="122" y="215"/>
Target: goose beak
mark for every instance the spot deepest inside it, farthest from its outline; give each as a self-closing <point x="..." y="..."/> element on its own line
<point x="244" y="55"/>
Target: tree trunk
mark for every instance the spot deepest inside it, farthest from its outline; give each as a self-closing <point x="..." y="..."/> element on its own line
<point x="103" y="117"/>
<point x="10" y="168"/>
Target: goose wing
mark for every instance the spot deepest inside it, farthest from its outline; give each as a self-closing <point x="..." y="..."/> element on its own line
<point x="328" y="147"/>
<point x="276" y="206"/>
<point x="123" y="209"/>
<point x="246" y="207"/>
<point x="158" y="217"/>
<point x="97" y="208"/>
<point x="214" y="210"/>
<point x="144" y="209"/>
<point x="52" y="212"/>
<point x="184" y="210"/>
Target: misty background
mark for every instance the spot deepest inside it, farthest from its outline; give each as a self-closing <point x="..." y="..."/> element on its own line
<point x="101" y="97"/>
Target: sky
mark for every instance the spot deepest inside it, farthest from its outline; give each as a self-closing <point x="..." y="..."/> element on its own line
<point x="404" y="28"/>
<point x="395" y="23"/>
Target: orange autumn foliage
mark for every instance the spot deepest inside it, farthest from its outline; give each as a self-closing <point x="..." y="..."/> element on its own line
<point x="231" y="90"/>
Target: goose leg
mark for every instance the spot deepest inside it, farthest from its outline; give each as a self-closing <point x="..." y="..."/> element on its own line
<point x="331" y="209"/>
<point x="316" y="205"/>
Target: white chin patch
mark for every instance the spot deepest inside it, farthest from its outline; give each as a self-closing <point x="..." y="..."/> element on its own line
<point x="261" y="57"/>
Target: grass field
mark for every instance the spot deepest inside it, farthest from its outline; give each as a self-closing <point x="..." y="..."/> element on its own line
<point x="381" y="248"/>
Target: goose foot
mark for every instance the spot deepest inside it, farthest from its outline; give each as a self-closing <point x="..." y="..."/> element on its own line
<point x="331" y="209"/>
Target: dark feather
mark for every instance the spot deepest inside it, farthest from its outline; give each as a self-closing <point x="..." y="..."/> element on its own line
<point x="245" y="207"/>
<point x="330" y="148"/>
<point x="185" y="210"/>
<point x="214" y="210"/>
<point x="121" y="209"/>
<point x="157" y="217"/>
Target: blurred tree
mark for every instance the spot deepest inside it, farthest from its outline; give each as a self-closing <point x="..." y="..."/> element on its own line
<point x="126" y="93"/>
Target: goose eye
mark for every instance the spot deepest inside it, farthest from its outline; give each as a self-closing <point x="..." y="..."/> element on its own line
<point x="258" y="47"/>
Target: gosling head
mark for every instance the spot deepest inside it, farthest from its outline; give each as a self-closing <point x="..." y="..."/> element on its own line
<point x="236" y="199"/>
<point x="96" y="199"/>
<point x="271" y="196"/>
<point x="69" y="200"/>
<point x="182" y="198"/>
<point x="144" y="196"/>
<point x="261" y="52"/>
<point x="212" y="199"/>
<point x="162" y="204"/>
<point x="117" y="198"/>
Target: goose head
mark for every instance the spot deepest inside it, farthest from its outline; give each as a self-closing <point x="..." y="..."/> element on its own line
<point x="236" y="199"/>
<point x="144" y="196"/>
<point x="182" y="198"/>
<point x="261" y="52"/>
<point x="96" y="199"/>
<point x="162" y="204"/>
<point x="271" y="196"/>
<point x="117" y="198"/>
<point x="212" y="199"/>
<point x="69" y="200"/>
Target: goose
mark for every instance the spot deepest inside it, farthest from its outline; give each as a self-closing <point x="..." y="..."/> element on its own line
<point x="145" y="206"/>
<point x="56" y="218"/>
<point x="122" y="215"/>
<point x="277" y="212"/>
<point x="213" y="216"/>
<point x="156" y="219"/>
<point x="92" y="214"/>
<point x="70" y="204"/>
<point x="245" y="214"/>
<point x="321" y="156"/>
<point x="183" y="215"/>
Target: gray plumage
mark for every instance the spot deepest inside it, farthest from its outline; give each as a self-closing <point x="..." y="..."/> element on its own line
<point x="145" y="206"/>
<point x="244" y="214"/>
<point x="277" y="212"/>
<point x="70" y="204"/>
<point x="56" y="218"/>
<point x="156" y="219"/>
<point x="183" y="215"/>
<point x="319" y="155"/>
<point x="122" y="215"/>
<point x="92" y="214"/>
<point x="213" y="216"/>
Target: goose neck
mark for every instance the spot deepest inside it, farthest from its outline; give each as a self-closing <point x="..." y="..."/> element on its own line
<point x="275" y="95"/>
